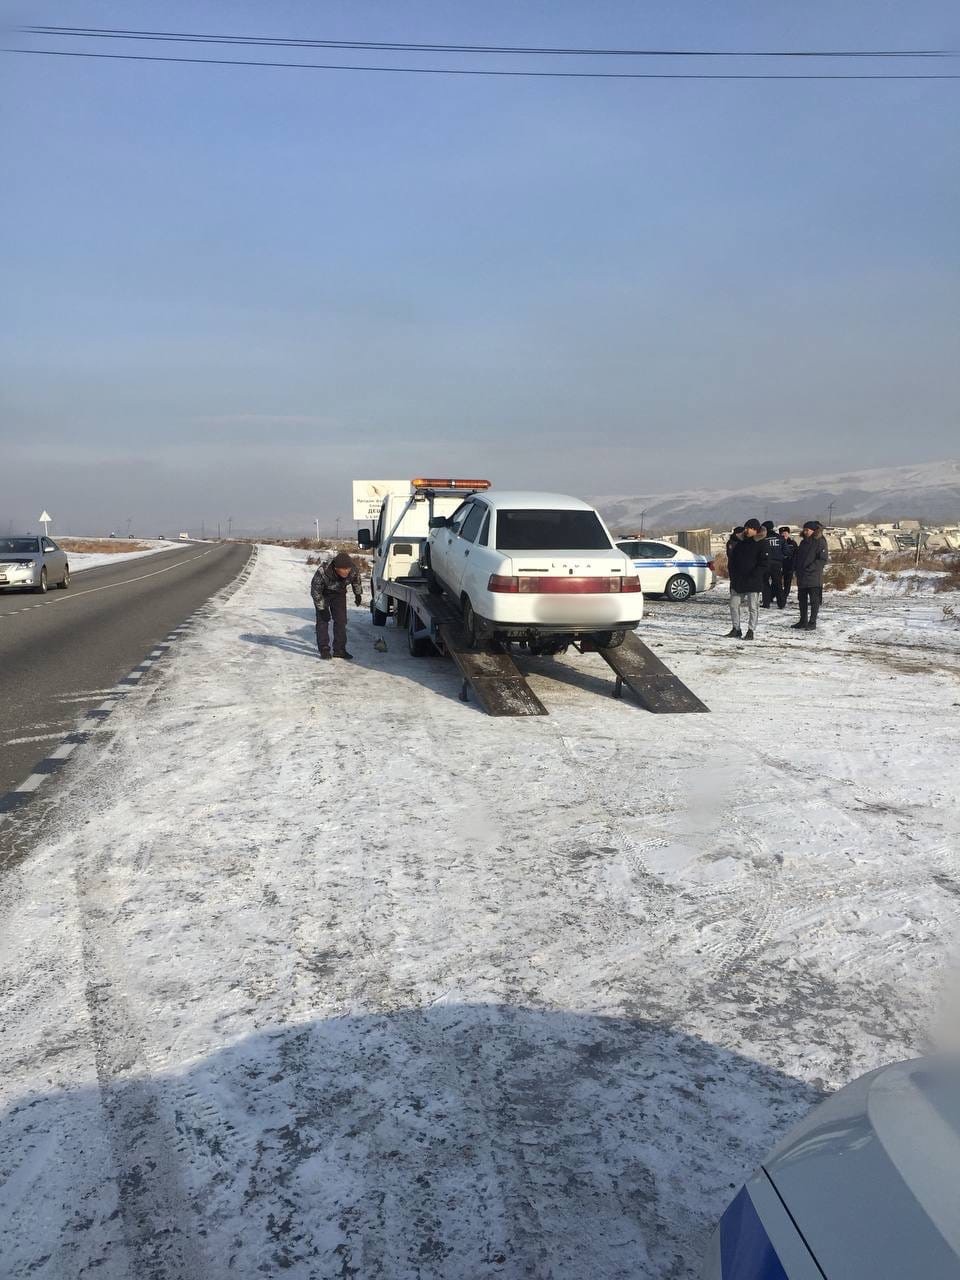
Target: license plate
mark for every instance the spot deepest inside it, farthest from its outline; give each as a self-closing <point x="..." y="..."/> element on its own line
<point x="3" y="577"/>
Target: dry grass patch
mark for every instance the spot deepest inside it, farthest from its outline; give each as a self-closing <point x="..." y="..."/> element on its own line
<point x="108" y="546"/>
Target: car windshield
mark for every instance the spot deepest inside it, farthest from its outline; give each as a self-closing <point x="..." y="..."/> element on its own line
<point x="19" y="546"/>
<point x="550" y="531"/>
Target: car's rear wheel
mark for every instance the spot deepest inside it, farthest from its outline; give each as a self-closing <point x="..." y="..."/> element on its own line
<point x="679" y="587"/>
<point x="65" y="580"/>
<point x="41" y="587"/>
<point x="377" y="616"/>
<point x="470" y="622"/>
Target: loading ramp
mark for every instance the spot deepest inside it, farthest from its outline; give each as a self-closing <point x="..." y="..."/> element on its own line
<point x="649" y="679"/>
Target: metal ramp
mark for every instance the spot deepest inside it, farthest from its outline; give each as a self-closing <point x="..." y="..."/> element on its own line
<point x="651" y="681"/>
<point x="498" y="684"/>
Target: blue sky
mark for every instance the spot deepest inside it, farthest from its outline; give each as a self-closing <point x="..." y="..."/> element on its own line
<point x="234" y="290"/>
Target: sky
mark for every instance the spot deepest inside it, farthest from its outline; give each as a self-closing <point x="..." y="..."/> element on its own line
<point x="226" y="292"/>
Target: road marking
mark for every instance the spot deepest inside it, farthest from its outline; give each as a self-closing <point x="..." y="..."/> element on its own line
<point x="31" y="783"/>
<point x="64" y="749"/>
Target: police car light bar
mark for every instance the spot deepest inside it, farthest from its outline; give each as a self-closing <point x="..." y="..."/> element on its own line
<point x="422" y="483"/>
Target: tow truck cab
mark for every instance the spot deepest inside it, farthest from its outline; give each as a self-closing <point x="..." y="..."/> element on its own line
<point x="402" y="530"/>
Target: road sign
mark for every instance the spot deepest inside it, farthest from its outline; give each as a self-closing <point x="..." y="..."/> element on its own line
<point x="45" y="520"/>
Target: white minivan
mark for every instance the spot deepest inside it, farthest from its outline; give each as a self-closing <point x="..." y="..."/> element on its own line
<point x="536" y="567"/>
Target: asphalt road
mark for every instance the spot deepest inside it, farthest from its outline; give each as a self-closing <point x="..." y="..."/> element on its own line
<point x="59" y="651"/>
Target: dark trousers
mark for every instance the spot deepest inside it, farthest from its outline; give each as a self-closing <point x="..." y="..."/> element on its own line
<point x="773" y="587"/>
<point x="787" y="584"/>
<point x="810" y="599"/>
<point x="333" y="609"/>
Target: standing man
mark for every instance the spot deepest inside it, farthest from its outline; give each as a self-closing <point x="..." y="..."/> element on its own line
<point x="771" y="557"/>
<point x="735" y="537"/>
<point x="746" y="579"/>
<point x="789" y="554"/>
<point x="328" y="587"/>
<point x="809" y="563"/>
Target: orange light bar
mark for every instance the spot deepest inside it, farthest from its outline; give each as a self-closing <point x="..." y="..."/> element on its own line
<point x="421" y="483"/>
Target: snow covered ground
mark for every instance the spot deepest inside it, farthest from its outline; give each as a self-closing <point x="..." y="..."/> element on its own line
<point x="324" y="972"/>
<point x="91" y="559"/>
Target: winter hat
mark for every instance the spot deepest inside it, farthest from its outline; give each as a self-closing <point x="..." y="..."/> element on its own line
<point x="784" y="528"/>
<point x="342" y="561"/>
<point x="811" y="524"/>
<point x="752" y="524"/>
<point x="738" y="529"/>
<point x="768" y="525"/>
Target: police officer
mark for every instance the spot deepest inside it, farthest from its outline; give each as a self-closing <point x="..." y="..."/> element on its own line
<point x="789" y="554"/>
<point x="329" y="587"/>
<point x="771" y="561"/>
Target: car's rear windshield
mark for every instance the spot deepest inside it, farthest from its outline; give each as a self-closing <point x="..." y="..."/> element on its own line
<point x="550" y="531"/>
<point x="19" y="546"/>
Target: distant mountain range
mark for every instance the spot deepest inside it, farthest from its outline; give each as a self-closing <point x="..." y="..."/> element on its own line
<point x="928" y="492"/>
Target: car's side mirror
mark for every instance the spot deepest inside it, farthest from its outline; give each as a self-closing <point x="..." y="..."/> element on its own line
<point x="364" y="540"/>
<point x="439" y="522"/>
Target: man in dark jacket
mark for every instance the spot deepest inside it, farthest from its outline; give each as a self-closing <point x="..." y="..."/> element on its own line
<point x="809" y="563"/>
<point x="789" y="553"/>
<point x="771" y="557"/>
<point x="746" y="580"/>
<point x="735" y="537"/>
<point x="329" y="587"/>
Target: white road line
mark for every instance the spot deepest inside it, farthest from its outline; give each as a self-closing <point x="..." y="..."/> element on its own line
<point x="106" y="706"/>
<point x="63" y="751"/>
<point x="31" y="783"/>
<point x="36" y="737"/>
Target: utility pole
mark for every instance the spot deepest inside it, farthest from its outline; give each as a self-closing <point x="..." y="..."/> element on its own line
<point x="218" y="530"/>
<point x="317" y="523"/>
<point x="229" y="526"/>
<point x="643" y="515"/>
<point x="830" y="515"/>
<point x="338" y="528"/>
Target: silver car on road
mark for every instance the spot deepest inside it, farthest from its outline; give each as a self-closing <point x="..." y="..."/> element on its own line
<point x="36" y="563"/>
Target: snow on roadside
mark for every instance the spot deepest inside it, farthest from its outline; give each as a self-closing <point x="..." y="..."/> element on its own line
<point x="80" y="560"/>
<point x="326" y="972"/>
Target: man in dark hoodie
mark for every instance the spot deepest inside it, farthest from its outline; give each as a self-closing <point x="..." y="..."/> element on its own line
<point x="808" y="565"/>
<point x="329" y="587"/>
<point x="746" y="580"/>
<point x="771" y="557"/>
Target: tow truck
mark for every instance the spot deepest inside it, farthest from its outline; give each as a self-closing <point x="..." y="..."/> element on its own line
<point x="403" y="587"/>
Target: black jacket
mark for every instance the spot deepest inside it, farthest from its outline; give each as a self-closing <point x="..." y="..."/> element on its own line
<point x="789" y="551"/>
<point x="771" y="551"/>
<point x="327" y="582"/>
<point x="810" y="561"/>
<point x="745" y="566"/>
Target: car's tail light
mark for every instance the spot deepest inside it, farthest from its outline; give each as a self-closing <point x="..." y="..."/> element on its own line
<point x="711" y="566"/>
<point x="561" y="586"/>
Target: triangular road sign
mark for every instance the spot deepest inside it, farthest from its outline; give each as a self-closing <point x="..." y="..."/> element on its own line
<point x="46" y="517"/>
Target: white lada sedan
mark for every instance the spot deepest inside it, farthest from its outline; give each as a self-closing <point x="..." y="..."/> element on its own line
<point x="536" y="567"/>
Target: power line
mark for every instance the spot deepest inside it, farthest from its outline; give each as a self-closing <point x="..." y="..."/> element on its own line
<point x="301" y="42"/>
<point x="463" y="71"/>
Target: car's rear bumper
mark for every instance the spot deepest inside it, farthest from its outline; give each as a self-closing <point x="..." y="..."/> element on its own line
<point x="557" y="613"/>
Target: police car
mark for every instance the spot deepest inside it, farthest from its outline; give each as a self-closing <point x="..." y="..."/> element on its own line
<point x="866" y="1188"/>
<point x="668" y="570"/>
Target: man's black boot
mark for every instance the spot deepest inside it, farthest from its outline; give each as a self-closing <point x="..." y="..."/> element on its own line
<point x="749" y="635"/>
<point x="325" y="653"/>
<point x="734" y="634"/>
<point x="342" y="653"/>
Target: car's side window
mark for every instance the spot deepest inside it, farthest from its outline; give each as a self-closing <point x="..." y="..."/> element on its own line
<point x="656" y="551"/>
<point x="458" y="517"/>
<point x="485" y="531"/>
<point x="471" y="526"/>
<point x="630" y="549"/>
